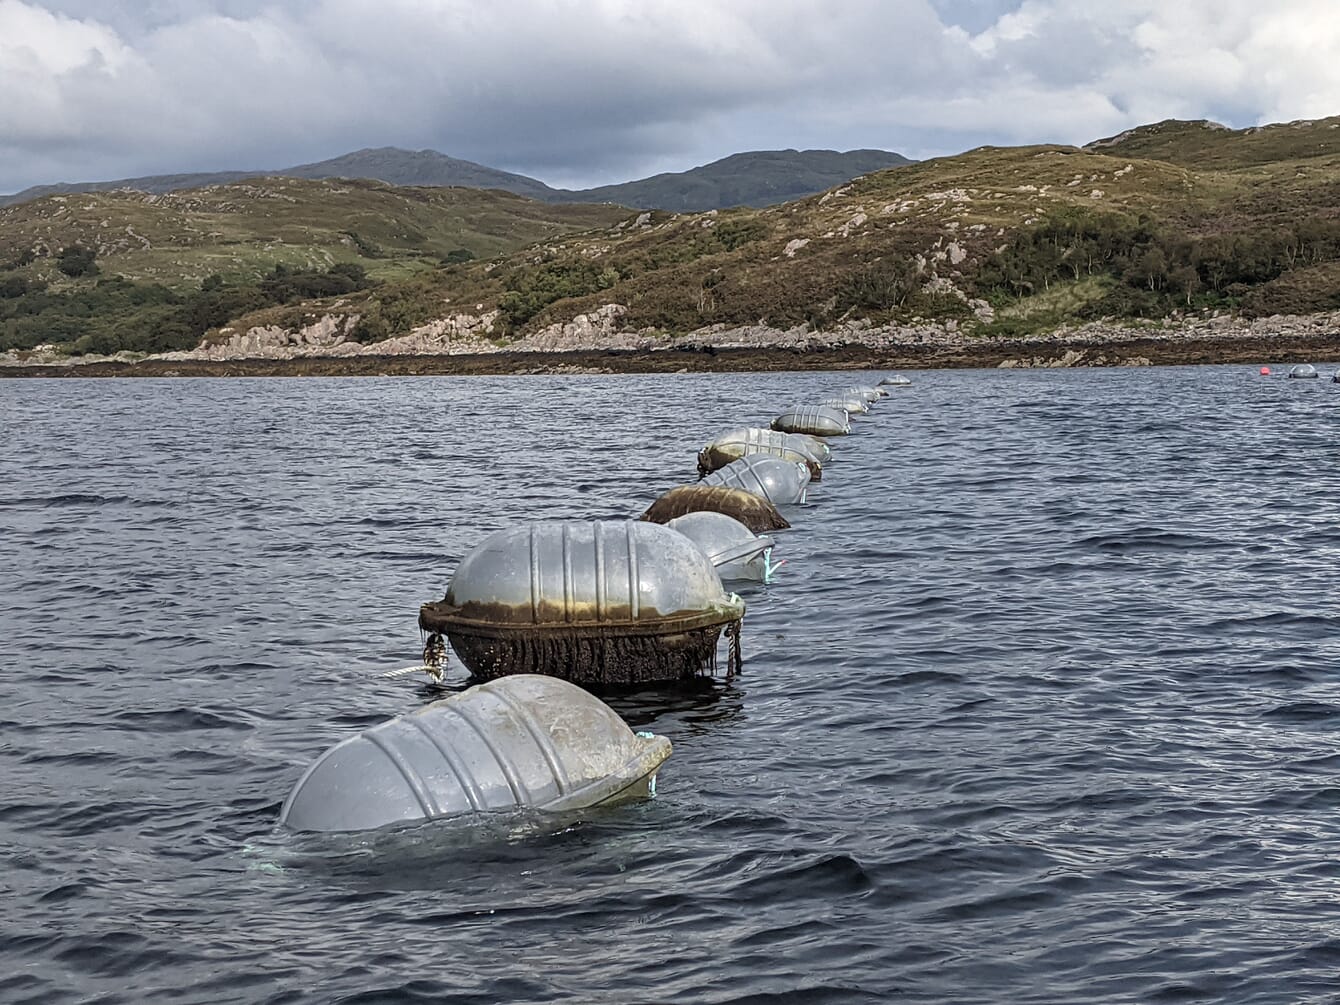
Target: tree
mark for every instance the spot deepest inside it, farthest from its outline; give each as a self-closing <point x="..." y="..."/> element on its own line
<point x="1186" y="279"/>
<point x="75" y="260"/>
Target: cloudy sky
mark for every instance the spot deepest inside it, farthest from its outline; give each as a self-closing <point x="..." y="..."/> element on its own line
<point x="585" y="92"/>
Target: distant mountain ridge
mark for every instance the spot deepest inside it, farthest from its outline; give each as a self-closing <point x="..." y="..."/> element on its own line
<point x="757" y="178"/>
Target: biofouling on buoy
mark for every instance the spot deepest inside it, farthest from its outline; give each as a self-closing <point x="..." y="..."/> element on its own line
<point x="850" y="403"/>
<point x="595" y="602"/>
<point x="755" y="512"/>
<point x="751" y="441"/>
<point x="816" y="445"/>
<point x="814" y="420"/>
<point x="782" y="483"/>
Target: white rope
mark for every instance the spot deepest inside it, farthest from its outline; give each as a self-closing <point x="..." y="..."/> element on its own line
<point x="433" y="672"/>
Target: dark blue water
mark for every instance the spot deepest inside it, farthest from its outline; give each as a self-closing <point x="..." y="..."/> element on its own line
<point x="1044" y="707"/>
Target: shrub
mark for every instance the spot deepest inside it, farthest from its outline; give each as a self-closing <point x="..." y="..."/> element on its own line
<point x="879" y="286"/>
<point x="75" y="260"/>
<point x="529" y="291"/>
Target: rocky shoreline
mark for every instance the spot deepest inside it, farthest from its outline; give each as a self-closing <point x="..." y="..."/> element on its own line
<point x="1003" y="354"/>
<point x="589" y="345"/>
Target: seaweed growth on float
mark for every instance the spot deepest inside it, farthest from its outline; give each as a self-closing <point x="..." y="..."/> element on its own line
<point x="755" y="512"/>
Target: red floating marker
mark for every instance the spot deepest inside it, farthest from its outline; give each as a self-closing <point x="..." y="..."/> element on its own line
<point x="1265" y="371"/>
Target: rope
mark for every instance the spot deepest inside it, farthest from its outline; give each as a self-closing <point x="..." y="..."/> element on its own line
<point x="434" y="672"/>
<point x="434" y="661"/>
<point x="735" y="659"/>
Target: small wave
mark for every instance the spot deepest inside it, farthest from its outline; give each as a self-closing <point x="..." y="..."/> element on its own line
<point x="118" y="954"/>
<point x="1324" y="955"/>
<point x="64" y="892"/>
<point x="1302" y="711"/>
<point x="385" y="521"/>
<point x="916" y="678"/>
<point x="996" y="905"/>
<point x="829" y="876"/>
<point x="1289" y="673"/>
<point x="177" y="720"/>
<point x="79" y="757"/>
<point x="428" y="559"/>
<point x="1316" y="799"/>
<point x="809" y="993"/>
<point x="1152" y="539"/>
<point x="66" y="499"/>
<point x="94" y="818"/>
<point x="1315" y="624"/>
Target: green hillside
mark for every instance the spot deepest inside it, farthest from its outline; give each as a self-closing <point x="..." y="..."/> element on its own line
<point x="147" y="253"/>
<point x="1210" y="146"/>
<point x="995" y="241"/>
<point x="241" y="229"/>
<point x="1044" y="235"/>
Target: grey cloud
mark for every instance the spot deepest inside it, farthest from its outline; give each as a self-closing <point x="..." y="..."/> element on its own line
<point x="586" y="92"/>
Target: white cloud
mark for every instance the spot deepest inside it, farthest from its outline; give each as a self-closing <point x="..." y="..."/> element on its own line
<point x="588" y="91"/>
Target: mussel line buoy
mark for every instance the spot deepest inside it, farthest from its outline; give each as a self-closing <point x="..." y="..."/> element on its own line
<point x="523" y="742"/>
<point x="596" y="602"/>
<point x="605" y="602"/>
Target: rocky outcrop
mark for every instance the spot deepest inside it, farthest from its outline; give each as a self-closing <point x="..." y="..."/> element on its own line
<point x="598" y="329"/>
<point x="323" y="337"/>
<point x="457" y="334"/>
<point x="601" y="329"/>
<point x="1071" y="357"/>
<point x="330" y="334"/>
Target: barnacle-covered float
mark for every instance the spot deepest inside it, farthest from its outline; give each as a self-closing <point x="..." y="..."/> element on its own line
<point x="814" y="420"/>
<point x="852" y="404"/>
<point x="782" y="483"/>
<point x="595" y="602"/>
<point x="748" y="440"/>
<point x="754" y="511"/>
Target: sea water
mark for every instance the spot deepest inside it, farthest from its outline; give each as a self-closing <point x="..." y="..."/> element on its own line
<point x="1044" y="705"/>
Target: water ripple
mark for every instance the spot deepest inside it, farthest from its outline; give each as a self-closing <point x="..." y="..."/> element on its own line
<point x="1040" y="708"/>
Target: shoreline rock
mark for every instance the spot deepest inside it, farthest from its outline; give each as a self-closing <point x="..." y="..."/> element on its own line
<point x="593" y="342"/>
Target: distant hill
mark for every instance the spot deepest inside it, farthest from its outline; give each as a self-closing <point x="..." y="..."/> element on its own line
<point x="153" y="184"/>
<point x="1210" y="146"/>
<point x="386" y="164"/>
<point x="761" y="178"/>
<point x="104" y="271"/>
<point x="419" y="167"/>
<point x="1007" y="241"/>
<point x="244" y="228"/>
<point x="1170" y="219"/>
